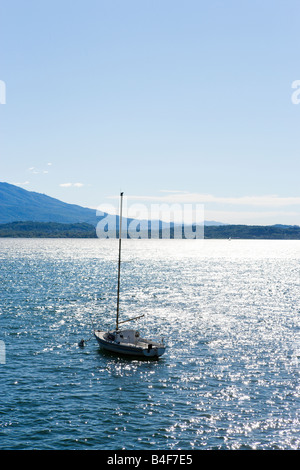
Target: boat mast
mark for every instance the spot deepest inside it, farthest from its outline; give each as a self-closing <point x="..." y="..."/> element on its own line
<point x="119" y="264"/>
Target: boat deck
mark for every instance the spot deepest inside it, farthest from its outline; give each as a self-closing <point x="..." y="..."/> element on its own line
<point x="140" y="346"/>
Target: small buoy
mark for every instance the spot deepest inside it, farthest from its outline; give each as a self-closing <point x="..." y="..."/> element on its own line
<point x="81" y="343"/>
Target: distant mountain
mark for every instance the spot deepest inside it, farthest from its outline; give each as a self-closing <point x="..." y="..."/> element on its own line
<point x="285" y="226"/>
<point x="18" y="204"/>
<point x="30" y="214"/>
<point x="267" y="232"/>
<point x="83" y="230"/>
<point x="47" y="230"/>
<point x="209" y="223"/>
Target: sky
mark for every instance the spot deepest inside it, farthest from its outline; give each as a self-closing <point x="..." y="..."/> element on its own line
<point x="187" y="102"/>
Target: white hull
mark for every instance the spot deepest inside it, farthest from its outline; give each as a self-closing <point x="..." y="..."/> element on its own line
<point x="138" y="347"/>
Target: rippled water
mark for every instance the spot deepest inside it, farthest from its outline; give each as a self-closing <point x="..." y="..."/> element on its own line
<point x="229" y="311"/>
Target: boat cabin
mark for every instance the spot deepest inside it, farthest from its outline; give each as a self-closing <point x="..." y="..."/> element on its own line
<point x="125" y="336"/>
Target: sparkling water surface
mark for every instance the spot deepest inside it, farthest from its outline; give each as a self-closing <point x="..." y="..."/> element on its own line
<point x="228" y="311"/>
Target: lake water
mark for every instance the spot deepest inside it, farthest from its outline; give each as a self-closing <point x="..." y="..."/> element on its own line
<point x="228" y="310"/>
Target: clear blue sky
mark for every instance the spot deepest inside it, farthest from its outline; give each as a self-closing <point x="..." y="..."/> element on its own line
<point x="154" y="96"/>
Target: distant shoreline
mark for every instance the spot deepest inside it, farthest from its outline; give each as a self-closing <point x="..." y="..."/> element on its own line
<point x="30" y="229"/>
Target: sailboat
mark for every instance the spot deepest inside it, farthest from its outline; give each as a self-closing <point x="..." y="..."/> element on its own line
<point x="127" y="341"/>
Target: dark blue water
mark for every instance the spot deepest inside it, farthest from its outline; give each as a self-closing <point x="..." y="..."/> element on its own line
<point x="229" y="312"/>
